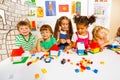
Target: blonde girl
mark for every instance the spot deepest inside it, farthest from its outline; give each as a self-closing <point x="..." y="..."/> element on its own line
<point x="100" y="35"/>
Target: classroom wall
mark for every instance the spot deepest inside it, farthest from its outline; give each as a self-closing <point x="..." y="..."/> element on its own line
<point x="115" y="17"/>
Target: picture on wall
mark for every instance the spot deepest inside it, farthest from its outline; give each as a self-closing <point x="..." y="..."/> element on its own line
<point x="76" y="7"/>
<point x="33" y="25"/>
<point x="32" y="11"/>
<point x="50" y="8"/>
<point x="63" y="8"/>
<point x="40" y="12"/>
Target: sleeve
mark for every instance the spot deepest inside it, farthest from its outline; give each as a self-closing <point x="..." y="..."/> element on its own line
<point x="90" y="36"/>
<point x="17" y="41"/>
<point x="74" y="37"/>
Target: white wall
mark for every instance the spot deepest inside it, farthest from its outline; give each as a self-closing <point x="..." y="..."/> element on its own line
<point x="115" y="17"/>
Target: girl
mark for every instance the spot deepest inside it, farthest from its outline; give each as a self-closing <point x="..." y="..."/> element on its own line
<point x="100" y="35"/>
<point x="25" y="39"/>
<point x="82" y="34"/>
<point x="118" y="36"/>
<point x="63" y="32"/>
<point x="47" y="40"/>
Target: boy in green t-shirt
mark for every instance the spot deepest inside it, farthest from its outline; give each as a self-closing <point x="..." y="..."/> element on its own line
<point x="47" y="40"/>
<point x="25" y="39"/>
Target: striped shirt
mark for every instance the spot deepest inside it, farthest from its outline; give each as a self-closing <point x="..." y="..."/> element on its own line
<point x="27" y="45"/>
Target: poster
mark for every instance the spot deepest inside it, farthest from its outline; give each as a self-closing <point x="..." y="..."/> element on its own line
<point x="50" y="8"/>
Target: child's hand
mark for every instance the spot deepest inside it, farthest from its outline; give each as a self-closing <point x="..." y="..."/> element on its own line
<point x="111" y="41"/>
<point x="33" y="50"/>
<point x="63" y="41"/>
<point x="67" y="48"/>
<point x="68" y="41"/>
<point x="43" y="49"/>
<point x="40" y="40"/>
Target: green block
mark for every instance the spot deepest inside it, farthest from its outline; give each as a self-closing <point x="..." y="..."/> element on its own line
<point x="23" y="61"/>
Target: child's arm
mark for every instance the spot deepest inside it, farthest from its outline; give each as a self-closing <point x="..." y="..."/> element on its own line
<point x="70" y="46"/>
<point x="39" y="48"/>
<point x="34" y="50"/>
<point x="61" y="41"/>
<point x="106" y="43"/>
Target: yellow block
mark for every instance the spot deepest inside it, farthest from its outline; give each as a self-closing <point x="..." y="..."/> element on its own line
<point x="44" y="71"/>
<point x="37" y="76"/>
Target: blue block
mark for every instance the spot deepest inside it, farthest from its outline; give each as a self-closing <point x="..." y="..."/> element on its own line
<point x="80" y="52"/>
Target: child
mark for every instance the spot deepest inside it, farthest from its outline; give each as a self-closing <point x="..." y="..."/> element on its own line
<point x="25" y="39"/>
<point x="63" y="32"/>
<point x="47" y="40"/>
<point x="82" y="34"/>
<point x="100" y="35"/>
<point x="118" y="36"/>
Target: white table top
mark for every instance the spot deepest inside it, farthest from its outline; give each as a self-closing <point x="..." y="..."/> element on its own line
<point x="110" y="70"/>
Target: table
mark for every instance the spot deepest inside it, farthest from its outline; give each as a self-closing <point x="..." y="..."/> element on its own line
<point x="107" y="63"/>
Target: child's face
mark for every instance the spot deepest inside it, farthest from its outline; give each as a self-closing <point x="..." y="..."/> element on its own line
<point x="24" y="30"/>
<point x="102" y="33"/>
<point x="46" y="34"/>
<point x="81" y="28"/>
<point x="64" y="25"/>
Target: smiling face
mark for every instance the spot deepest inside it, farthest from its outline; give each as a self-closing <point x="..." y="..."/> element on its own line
<point x="81" y="29"/>
<point x="24" y="30"/>
<point x="102" y="33"/>
<point x="46" y="34"/>
<point x="64" y="25"/>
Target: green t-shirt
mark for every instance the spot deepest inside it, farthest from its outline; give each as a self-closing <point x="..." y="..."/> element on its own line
<point x="27" y="45"/>
<point x="48" y="44"/>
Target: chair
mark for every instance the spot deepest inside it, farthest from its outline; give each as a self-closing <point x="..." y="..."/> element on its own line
<point x="10" y="40"/>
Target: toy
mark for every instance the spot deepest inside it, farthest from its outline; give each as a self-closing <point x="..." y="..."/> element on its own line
<point x="54" y="50"/>
<point x="76" y="70"/>
<point x="16" y="54"/>
<point x="44" y="71"/>
<point x="114" y="45"/>
<point x="63" y="61"/>
<point x="80" y="48"/>
<point x="94" y="47"/>
<point x="37" y="76"/>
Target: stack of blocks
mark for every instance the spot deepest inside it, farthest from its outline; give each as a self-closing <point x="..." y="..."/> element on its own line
<point x="80" y="48"/>
<point x="94" y="47"/>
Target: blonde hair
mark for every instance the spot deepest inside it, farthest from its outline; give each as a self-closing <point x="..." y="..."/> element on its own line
<point x="96" y="30"/>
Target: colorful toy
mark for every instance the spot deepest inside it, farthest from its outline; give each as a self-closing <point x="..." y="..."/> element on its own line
<point x="63" y="61"/>
<point x="54" y="50"/>
<point x="77" y="70"/>
<point x="80" y="48"/>
<point x="44" y="71"/>
<point x="16" y="54"/>
<point x="37" y="76"/>
<point x="114" y="45"/>
<point x="94" y="47"/>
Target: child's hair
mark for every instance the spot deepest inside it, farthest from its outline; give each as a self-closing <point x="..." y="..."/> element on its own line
<point x="85" y="20"/>
<point x="118" y="32"/>
<point x="46" y="27"/>
<point x="58" y="24"/>
<point x="23" y="23"/>
<point x="97" y="29"/>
